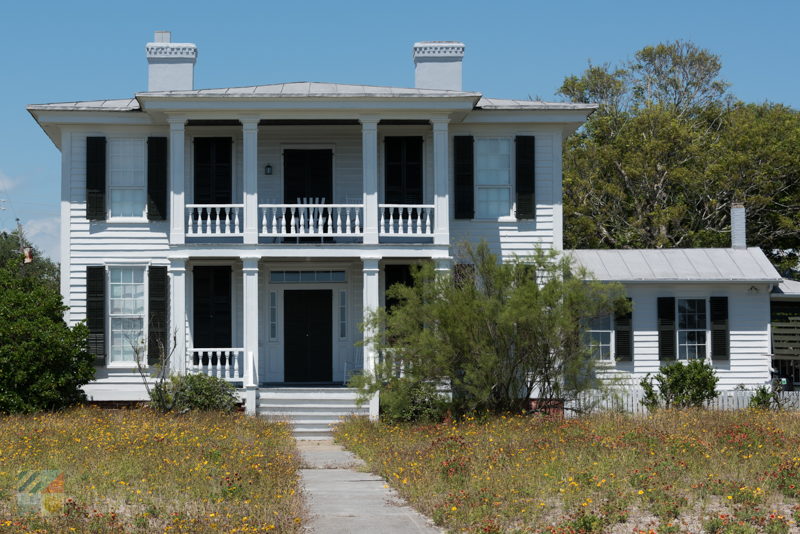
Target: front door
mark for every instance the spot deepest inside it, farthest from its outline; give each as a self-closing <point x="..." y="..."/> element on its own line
<point x="307" y="334"/>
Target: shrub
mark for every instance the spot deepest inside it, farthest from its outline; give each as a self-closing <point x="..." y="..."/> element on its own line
<point x="193" y="392"/>
<point x="43" y="361"/>
<point x="680" y="385"/>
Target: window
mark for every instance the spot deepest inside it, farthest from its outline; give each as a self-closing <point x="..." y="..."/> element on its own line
<point x="599" y="337"/>
<point x="273" y="315"/>
<point x="127" y="177"/>
<point x="305" y="277"/>
<point x="342" y="314"/>
<point x="692" y="326"/>
<point x="126" y="313"/>
<point x="492" y="178"/>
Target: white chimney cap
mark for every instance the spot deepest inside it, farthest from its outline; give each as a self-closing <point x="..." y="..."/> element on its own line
<point x="440" y="49"/>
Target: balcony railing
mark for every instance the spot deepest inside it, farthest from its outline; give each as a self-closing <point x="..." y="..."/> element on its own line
<point x="214" y="220"/>
<point x="406" y="220"/>
<point x="225" y="363"/>
<point x="311" y="220"/>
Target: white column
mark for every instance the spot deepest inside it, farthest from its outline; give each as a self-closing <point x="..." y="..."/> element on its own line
<point x="443" y="265"/>
<point x="250" y="168"/>
<point x="177" y="180"/>
<point x="371" y="294"/>
<point x="441" y="150"/>
<point x="369" y="158"/>
<point x="177" y="320"/>
<point x="250" y="303"/>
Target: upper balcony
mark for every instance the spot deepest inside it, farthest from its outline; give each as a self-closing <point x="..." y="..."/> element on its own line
<point x="255" y="182"/>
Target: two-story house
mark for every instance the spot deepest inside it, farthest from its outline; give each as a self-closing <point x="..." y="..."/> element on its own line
<point x="249" y="229"/>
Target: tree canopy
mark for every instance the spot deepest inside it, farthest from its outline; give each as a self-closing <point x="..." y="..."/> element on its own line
<point x="670" y="149"/>
<point x="43" y="361"/>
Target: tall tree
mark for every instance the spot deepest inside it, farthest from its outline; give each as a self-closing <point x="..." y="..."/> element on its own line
<point x="669" y="150"/>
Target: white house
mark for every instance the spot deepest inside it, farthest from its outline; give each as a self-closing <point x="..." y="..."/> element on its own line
<point x="249" y="229"/>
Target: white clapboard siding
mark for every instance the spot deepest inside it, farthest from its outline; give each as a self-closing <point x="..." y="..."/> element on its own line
<point x="748" y="319"/>
<point x="517" y="238"/>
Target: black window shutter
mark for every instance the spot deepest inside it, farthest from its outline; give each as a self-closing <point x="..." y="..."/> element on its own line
<point x="96" y="312"/>
<point x="720" y="336"/>
<point x="157" y="178"/>
<point x="96" y="178"/>
<point x="666" y="328"/>
<point x="623" y="335"/>
<point x="158" y="305"/>
<point x="464" y="176"/>
<point x="526" y="177"/>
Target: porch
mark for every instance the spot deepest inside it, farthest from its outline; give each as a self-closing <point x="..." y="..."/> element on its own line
<point x="265" y="323"/>
<point x="253" y="180"/>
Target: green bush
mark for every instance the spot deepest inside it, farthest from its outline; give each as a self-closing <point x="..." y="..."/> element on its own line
<point x="43" y="361"/>
<point x="680" y="385"/>
<point x="193" y="392"/>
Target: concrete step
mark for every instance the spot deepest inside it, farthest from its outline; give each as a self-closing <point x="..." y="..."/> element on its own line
<point x="310" y="410"/>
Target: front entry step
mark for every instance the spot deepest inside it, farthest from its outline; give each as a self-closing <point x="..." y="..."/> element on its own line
<point x="311" y="411"/>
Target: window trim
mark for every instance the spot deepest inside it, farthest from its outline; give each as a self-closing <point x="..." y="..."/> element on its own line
<point x="110" y="217"/>
<point x="511" y="216"/>
<point x="145" y="268"/>
<point x="272" y="304"/>
<point x="678" y="329"/>
<point x="612" y="331"/>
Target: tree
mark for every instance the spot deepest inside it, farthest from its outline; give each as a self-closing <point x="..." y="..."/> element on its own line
<point x="669" y="150"/>
<point x="494" y="337"/>
<point x="43" y="362"/>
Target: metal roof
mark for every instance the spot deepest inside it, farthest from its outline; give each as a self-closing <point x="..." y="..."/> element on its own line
<point x="500" y="103"/>
<point x="126" y="104"/>
<point x="788" y="289"/>
<point x="678" y="265"/>
<point x="313" y="90"/>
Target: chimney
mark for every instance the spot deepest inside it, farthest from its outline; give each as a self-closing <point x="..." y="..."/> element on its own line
<point x="437" y="65"/>
<point x="170" y="66"/>
<point x="738" y="226"/>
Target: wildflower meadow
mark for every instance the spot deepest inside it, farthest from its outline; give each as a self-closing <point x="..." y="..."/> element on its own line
<point x="688" y="471"/>
<point x="140" y="471"/>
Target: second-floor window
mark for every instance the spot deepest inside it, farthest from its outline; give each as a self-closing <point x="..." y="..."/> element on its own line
<point x="492" y="178"/>
<point x="127" y="180"/>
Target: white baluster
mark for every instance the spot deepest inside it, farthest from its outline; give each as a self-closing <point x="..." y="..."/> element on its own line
<point x="189" y="222"/>
<point x="357" y="224"/>
<point x="238" y="222"/>
<point x="427" y="222"/>
<point x="391" y="220"/>
<point x="263" y="226"/>
<point x="382" y="221"/>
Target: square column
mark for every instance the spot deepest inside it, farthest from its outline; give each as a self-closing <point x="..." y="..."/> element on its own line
<point x="250" y="169"/>
<point x="250" y="312"/>
<point x="369" y="158"/>
<point x="371" y="293"/>
<point x="441" y="149"/>
<point x="177" y="180"/>
<point x="177" y="311"/>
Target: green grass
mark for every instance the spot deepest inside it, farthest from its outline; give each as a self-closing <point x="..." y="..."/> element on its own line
<point x="140" y="471"/>
<point x="690" y="471"/>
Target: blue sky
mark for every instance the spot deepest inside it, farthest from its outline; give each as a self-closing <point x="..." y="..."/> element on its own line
<point x="84" y="50"/>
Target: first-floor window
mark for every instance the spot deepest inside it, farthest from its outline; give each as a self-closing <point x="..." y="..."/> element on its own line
<point x="598" y="337"/>
<point x="692" y="326"/>
<point x="126" y="313"/>
<point x="492" y="178"/>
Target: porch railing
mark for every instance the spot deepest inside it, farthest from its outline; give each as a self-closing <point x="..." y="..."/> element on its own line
<point x="405" y="220"/>
<point x="786" y="338"/>
<point x="214" y="220"/>
<point x="225" y="363"/>
<point x="311" y="220"/>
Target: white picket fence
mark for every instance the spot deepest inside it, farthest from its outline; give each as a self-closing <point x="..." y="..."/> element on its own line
<point x="630" y="400"/>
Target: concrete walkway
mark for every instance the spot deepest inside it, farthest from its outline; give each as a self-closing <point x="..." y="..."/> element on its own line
<point x="343" y="499"/>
